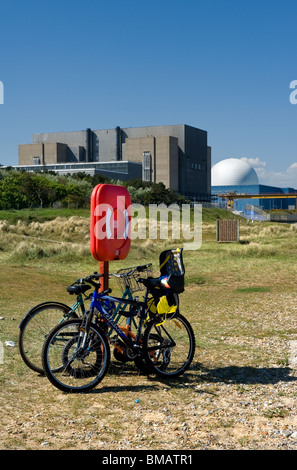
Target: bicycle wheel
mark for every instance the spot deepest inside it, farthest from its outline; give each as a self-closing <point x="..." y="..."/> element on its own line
<point x="169" y="347"/>
<point x="71" y="366"/>
<point x="122" y="355"/>
<point x="142" y="365"/>
<point x="34" y="328"/>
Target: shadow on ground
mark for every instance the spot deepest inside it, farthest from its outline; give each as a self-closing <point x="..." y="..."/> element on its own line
<point x="198" y="375"/>
<point x="246" y="375"/>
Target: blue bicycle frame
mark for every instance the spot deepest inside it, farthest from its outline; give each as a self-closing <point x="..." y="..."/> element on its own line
<point x="103" y="302"/>
<point x="119" y="311"/>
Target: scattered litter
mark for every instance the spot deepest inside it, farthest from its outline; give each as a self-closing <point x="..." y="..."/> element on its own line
<point x="10" y="343"/>
<point x="2" y="318"/>
<point x="137" y="400"/>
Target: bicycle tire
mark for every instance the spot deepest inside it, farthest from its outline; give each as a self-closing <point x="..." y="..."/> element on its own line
<point x="169" y="347"/>
<point x="34" y="328"/>
<point x="119" y="351"/>
<point x="65" y="368"/>
<point x="142" y="365"/>
<point x="140" y="361"/>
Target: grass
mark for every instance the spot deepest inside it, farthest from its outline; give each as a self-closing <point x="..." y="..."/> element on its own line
<point x="240" y="299"/>
<point x="249" y="290"/>
<point x="40" y="215"/>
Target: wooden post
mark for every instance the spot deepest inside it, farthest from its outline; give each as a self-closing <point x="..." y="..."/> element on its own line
<point x="104" y="269"/>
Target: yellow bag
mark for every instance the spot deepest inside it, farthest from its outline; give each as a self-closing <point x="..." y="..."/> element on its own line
<point x="163" y="306"/>
<point x="152" y="306"/>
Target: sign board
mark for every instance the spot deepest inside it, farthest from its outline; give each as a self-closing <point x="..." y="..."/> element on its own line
<point x="227" y="230"/>
<point x="110" y="235"/>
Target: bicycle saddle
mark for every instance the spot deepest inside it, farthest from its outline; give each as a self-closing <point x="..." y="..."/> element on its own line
<point x="78" y="289"/>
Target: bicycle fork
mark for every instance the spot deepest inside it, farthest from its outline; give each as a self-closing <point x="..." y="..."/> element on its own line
<point x="82" y="348"/>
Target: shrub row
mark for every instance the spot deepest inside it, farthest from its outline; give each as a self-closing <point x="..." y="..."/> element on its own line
<point x="20" y="190"/>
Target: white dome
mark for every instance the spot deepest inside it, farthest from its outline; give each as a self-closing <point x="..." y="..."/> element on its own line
<point x="233" y="172"/>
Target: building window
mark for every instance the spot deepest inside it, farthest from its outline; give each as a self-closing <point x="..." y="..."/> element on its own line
<point x="36" y="161"/>
<point x="146" y="166"/>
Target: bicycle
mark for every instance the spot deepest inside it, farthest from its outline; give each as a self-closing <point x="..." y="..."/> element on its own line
<point x="39" y="320"/>
<point x="128" y="282"/>
<point x="76" y="353"/>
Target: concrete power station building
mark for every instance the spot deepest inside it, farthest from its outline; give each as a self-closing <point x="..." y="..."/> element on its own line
<point x="176" y="155"/>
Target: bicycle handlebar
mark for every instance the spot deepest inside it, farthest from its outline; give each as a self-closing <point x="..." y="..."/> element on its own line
<point x="96" y="276"/>
<point x="143" y="267"/>
<point x="140" y="268"/>
<point x="90" y="278"/>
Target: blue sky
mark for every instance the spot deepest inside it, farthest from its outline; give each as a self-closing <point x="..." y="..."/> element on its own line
<point x="224" y="66"/>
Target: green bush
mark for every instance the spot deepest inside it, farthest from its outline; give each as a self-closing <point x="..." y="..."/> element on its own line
<point x="24" y="190"/>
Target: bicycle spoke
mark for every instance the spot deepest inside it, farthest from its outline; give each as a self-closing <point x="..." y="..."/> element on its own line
<point x="70" y="366"/>
<point x="170" y="347"/>
<point x="34" y="330"/>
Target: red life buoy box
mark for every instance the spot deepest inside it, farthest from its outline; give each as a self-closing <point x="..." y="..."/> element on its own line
<point x="110" y="236"/>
